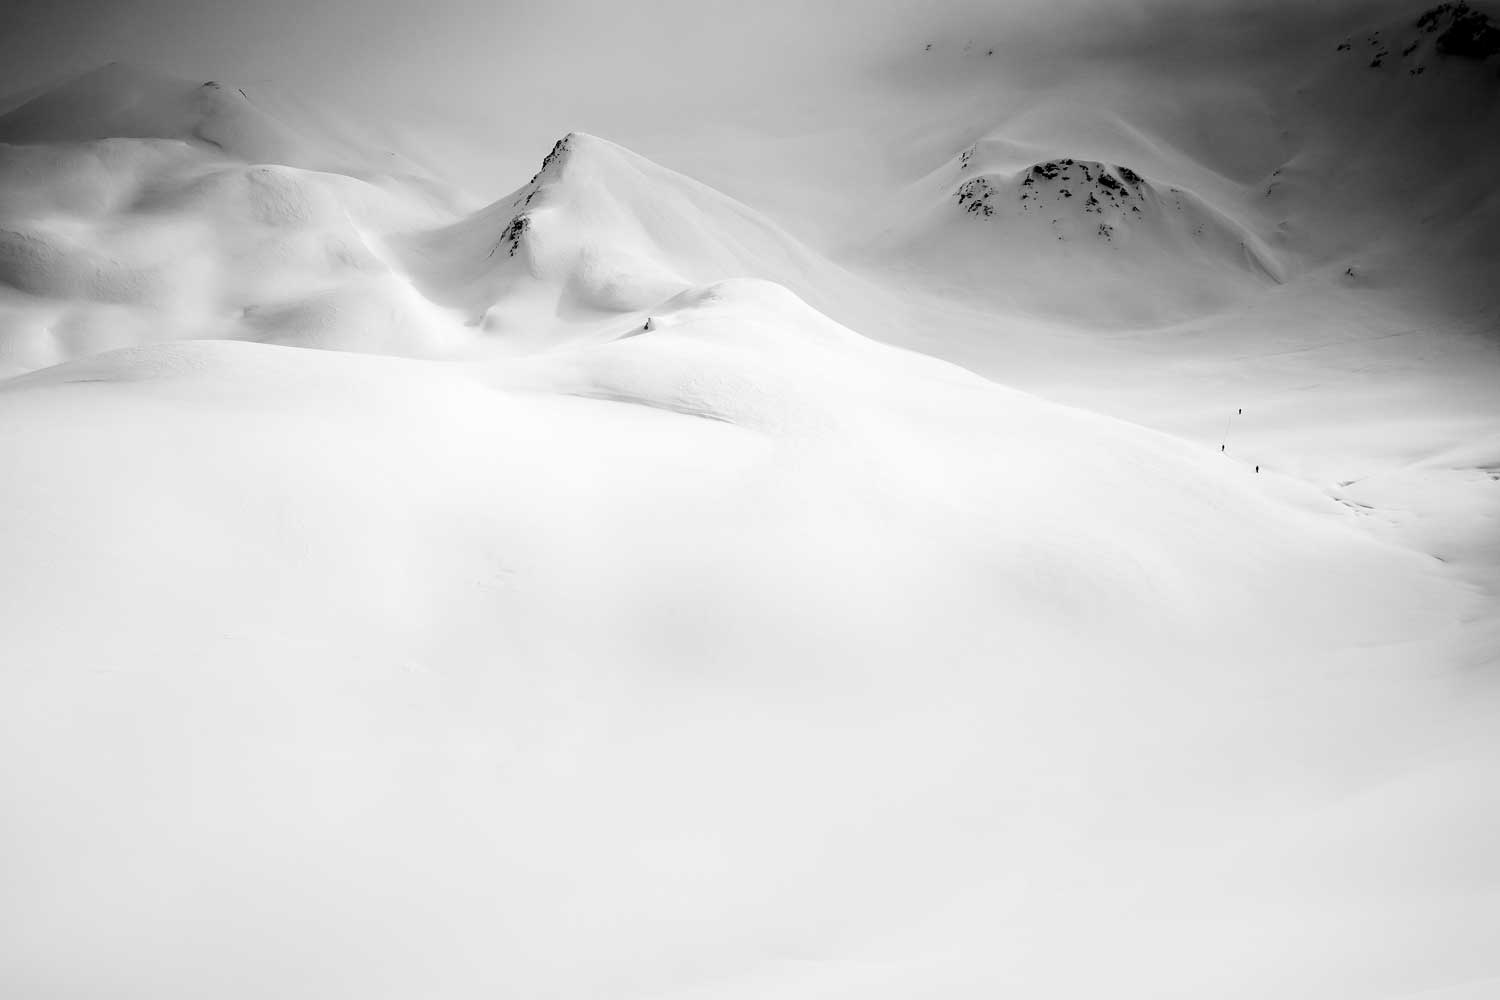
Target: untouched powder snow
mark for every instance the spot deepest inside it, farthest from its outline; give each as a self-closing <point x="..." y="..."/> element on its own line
<point x="580" y="675"/>
<point x="1082" y="580"/>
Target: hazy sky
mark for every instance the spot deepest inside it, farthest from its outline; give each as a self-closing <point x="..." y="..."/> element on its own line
<point x="484" y="86"/>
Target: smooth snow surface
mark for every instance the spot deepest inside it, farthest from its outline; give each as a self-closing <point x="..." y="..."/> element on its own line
<point x="613" y="591"/>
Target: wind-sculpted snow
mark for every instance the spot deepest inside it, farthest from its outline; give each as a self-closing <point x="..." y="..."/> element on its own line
<point x="156" y="241"/>
<point x="138" y="208"/>
<point x="590" y="595"/>
<point x="549" y="671"/>
<point x="600" y="231"/>
<point x="132" y="209"/>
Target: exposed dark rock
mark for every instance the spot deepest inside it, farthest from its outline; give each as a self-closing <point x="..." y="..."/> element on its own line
<point x="1428" y="22"/>
<point x="512" y="235"/>
<point x="974" y="196"/>
<point x="1098" y="185"/>
<point x="1472" y="36"/>
<point x="558" y="148"/>
<point x="1469" y="33"/>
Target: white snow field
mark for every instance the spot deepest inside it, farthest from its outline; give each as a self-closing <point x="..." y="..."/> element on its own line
<point x="613" y="592"/>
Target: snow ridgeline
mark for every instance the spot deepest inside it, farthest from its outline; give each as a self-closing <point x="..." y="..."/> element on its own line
<point x="136" y="207"/>
<point x="599" y="231"/>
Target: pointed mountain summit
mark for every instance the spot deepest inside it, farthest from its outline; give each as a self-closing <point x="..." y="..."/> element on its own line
<point x="600" y="230"/>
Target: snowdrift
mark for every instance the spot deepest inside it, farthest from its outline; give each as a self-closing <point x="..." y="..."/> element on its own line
<point x="634" y="627"/>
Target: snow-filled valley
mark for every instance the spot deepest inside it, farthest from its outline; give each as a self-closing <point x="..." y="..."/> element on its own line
<point x="1066" y="566"/>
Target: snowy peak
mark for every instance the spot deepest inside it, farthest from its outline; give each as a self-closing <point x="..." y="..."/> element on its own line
<point x="120" y="100"/>
<point x="549" y="174"/>
<point x="554" y="161"/>
<point x="1085" y="199"/>
<point x="599" y="230"/>
<point x="1067" y="200"/>
<point x="1116" y="195"/>
<point x="995" y="225"/>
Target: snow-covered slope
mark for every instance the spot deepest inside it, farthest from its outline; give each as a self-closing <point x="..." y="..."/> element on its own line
<point x="739" y="654"/>
<point x="644" y="624"/>
<point x="126" y="101"/>
<point x="1394" y="158"/>
<point x="1074" y="238"/>
<point x="600" y="231"/>
<point x="137" y="208"/>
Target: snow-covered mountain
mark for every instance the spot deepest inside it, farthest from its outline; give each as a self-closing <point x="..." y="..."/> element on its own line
<point x="129" y="101"/>
<point x="136" y="207"/>
<point x="598" y="232"/>
<point x="1111" y="244"/>
<point x="1076" y="578"/>
<point x="1391" y="171"/>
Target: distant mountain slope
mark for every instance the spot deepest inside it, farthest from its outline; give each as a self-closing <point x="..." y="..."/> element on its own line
<point x="1072" y="237"/>
<point x="1392" y="178"/>
<point x="600" y="231"/>
<point x="138" y="207"/>
<point x="125" y="101"/>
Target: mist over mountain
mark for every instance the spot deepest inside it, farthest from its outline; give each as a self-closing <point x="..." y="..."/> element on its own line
<point x="875" y="500"/>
